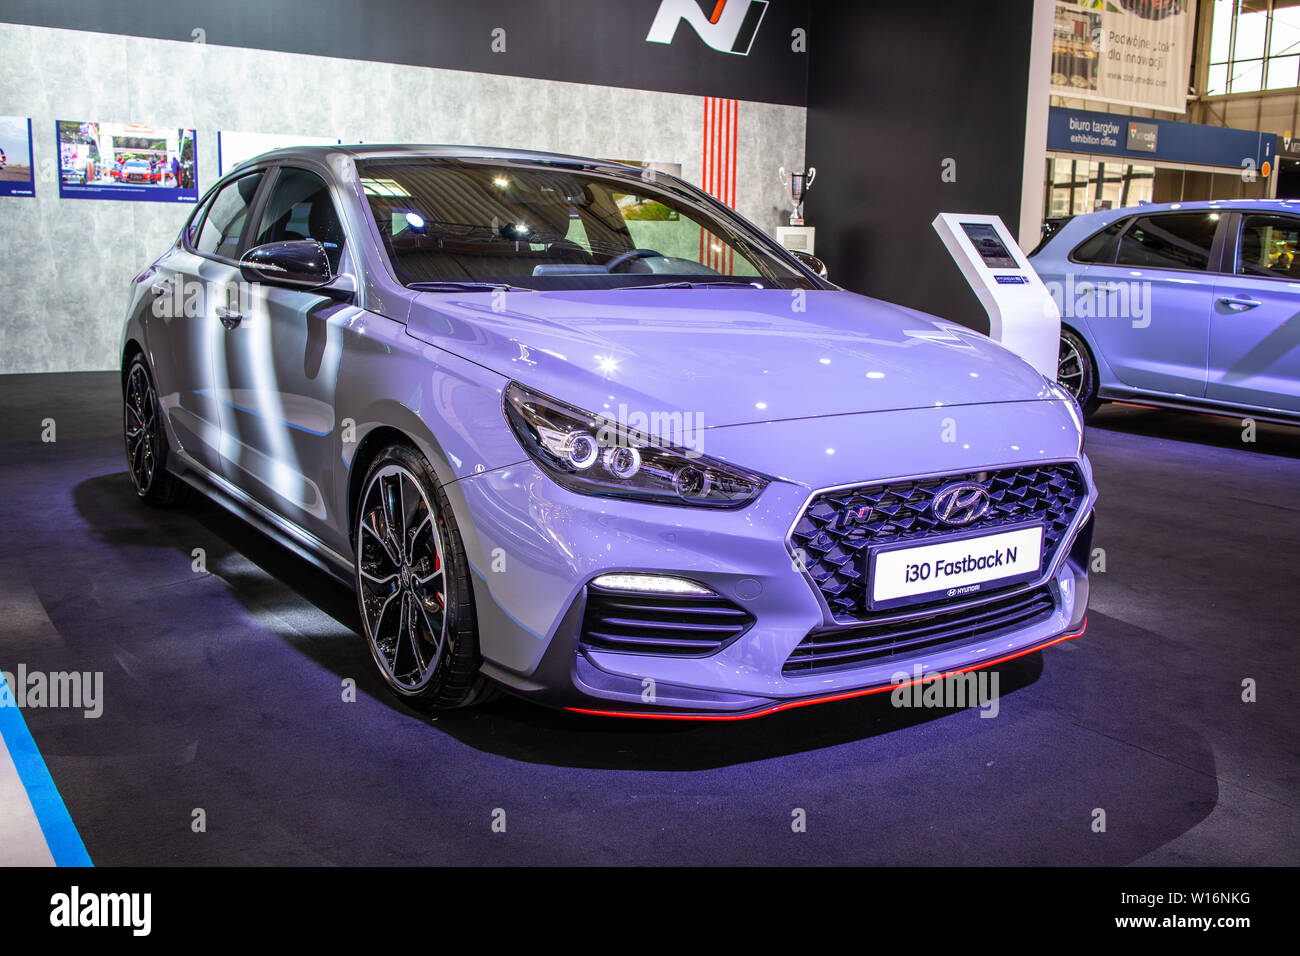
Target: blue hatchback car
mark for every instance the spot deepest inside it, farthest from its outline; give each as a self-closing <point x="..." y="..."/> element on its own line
<point x="1187" y="305"/>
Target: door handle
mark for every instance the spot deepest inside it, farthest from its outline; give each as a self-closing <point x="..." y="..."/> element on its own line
<point x="161" y="287"/>
<point x="1238" y="303"/>
<point x="229" y="317"/>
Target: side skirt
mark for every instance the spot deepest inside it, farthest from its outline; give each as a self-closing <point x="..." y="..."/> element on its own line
<point x="1274" y="416"/>
<point x="288" y="535"/>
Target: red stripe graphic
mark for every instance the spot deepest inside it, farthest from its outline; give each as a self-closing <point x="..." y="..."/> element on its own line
<point x="721" y="124"/>
<point x="719" y="167"/>
<point x="731" y="168"/>
<point x="704" y="176"/>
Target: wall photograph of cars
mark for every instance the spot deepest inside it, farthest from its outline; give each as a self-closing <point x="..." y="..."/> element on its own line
<point x="16" y="177"/>
<point x="126" y="161"/>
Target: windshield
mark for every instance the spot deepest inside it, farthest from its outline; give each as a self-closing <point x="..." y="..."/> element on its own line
<point x="453" y="222"/>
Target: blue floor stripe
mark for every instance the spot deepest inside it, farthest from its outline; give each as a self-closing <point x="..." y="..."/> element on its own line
<point x="61" y="834"/>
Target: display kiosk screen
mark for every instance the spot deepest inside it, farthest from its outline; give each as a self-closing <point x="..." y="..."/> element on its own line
<point x="986" y="242"/>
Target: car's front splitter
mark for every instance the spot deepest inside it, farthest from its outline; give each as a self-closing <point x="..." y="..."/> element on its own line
<point x="778" y="706"/>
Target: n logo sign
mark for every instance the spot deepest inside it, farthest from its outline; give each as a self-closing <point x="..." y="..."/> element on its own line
<point x="729" y="29"/>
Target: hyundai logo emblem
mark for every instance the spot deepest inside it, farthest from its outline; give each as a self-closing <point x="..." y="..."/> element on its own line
<point x="960" y="504"/>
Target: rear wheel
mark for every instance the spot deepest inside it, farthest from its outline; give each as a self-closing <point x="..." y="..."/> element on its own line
<point x="413" y="586"/>
<point x="146" y="444"/>
<point x="1077" y="372"/>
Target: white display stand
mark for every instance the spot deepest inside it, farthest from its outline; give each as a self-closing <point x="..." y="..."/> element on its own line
<point x="798" y="238"/>
<point x="1023" y="316"/>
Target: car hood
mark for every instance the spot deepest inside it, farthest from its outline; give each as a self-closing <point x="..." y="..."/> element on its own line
<point x="728" y="356"/>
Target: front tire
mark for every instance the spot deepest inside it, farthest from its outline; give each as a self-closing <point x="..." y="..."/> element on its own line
<point x="146" y="442"/>
<point x="413" y="585"/>
<point x="1076" y="371"/>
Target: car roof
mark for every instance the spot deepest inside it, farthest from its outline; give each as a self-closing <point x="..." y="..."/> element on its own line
<point x="1196" y="205"/>
<point x="1085" y="224"/>
<point x="417" y="151"/>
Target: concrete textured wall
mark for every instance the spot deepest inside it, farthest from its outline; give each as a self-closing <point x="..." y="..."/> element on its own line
<point x="65" y="264"/>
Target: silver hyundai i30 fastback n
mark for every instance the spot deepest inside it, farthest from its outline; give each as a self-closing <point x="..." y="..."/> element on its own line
<point x="575" y="429"/>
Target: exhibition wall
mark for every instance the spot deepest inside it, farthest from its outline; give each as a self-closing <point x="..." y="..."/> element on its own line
<point x="642" y="80"/>
<point x="65" y="265"/>
<point x="943" y="130"/>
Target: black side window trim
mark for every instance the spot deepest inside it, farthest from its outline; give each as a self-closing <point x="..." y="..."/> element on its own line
<point x="257" y="207"/>
<point x="1220" y="243"/>
<point x="194" y="221"/>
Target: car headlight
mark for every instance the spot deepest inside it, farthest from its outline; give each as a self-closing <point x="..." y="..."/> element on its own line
<point x="1063" y="394"/>
<point x="595" y="455"/>
<point x="1059" y="391"/>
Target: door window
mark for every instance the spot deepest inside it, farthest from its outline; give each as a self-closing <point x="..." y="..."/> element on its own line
<point x="1269" y="246"/>
<point x="300" y="208"/>
<point x="1169" y="241"/>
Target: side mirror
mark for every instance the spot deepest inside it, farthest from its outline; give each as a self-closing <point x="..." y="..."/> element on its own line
<point x="296" y="263"/>
<point x="811" y="261"/>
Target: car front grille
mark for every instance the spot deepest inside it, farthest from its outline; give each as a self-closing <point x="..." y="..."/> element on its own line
<point x="835" y="647"/>
<point x="835" y="531"/>
<point x="677" y="625"/>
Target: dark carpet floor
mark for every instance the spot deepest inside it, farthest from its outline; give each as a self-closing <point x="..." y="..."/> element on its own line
<point x="223" y="693"/>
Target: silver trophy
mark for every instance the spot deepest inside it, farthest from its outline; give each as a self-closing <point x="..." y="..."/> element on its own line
<point x="797" y="186"/>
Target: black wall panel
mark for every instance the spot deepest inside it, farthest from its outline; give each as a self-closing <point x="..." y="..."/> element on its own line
<point x="894" y="89"/>
<point x="581" y="41"/>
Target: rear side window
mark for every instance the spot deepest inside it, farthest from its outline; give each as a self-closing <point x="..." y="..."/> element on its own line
<point x="1050" y="228"/>
<point x="1179" y="240"/>
<point x="1269" y="246"/>
<point x="224" y="224"/>
<point x="1100" y="248"/>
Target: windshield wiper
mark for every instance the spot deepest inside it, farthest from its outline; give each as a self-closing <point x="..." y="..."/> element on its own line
<point x="684" y="284"/>
<point x="454" y="286"/>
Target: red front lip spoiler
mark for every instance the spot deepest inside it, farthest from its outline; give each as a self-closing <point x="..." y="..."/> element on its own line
<point x="847" y="695"/>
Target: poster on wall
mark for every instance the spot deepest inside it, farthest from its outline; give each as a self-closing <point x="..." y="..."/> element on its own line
<point x="126" y="161"/>
<point x="1126" y="52"/>
<point x="233" y="148"/>
<point x="16" y="178"/>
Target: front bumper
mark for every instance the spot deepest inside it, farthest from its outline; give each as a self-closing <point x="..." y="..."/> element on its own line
<point x="534" y="547"/>
<point x="773" y="707"/>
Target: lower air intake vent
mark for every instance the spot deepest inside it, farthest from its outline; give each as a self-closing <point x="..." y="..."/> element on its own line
<point x="827" y="648"/>
<point x="670" y="625"/>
